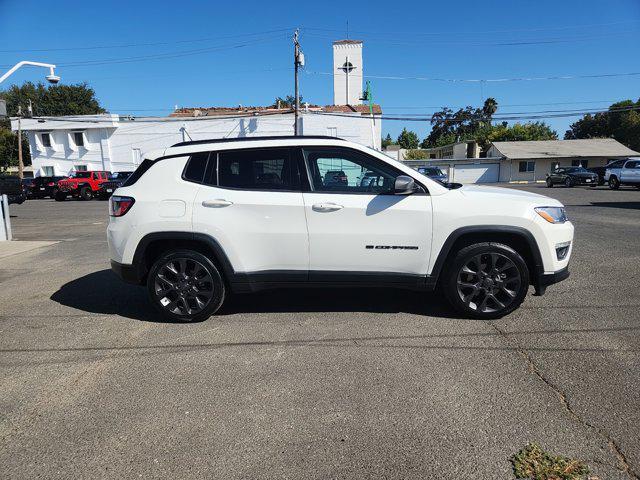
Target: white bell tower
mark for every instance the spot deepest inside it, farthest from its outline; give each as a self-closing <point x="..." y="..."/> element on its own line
<point x="347" y="72"/>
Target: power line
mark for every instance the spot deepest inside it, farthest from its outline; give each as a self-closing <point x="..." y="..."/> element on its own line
<point x="394" y="42"/>
<point x="162" y="56"/>
<point x="485" y="32"/>
<point x="132" y="45"/>
<point x="528" y="116"/>
<point x="405" y="117"/>
<point x="484" y="80"/>
<point x="415" y="107"/>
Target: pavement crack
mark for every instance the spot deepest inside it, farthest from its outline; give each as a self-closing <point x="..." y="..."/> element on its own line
<point x="623" y="464"/>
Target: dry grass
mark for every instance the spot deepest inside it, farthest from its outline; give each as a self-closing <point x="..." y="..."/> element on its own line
<point x="534" y="463"/>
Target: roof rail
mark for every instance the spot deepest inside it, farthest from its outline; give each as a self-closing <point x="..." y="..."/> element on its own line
<point x="245" y="139"/>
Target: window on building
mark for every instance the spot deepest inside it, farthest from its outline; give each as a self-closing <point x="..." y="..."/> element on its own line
<point x="80" y="168"/>
<point x="432" y="155"/>
<point x="580" y="163"/>
<point x="46" y="139"/>
<point x="78" y="139"/>
<point x="47" y="171"/>
<point x="256" y="169"/>
<point x="332" y="131"/>
<point x="526" y="166"/>
<point x="555" y="166"/>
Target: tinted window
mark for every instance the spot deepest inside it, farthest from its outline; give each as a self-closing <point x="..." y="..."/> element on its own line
<point x="259" y="169"/>
<point x="196" y="166"/>
<point x="348" y="171"/>
<point x="46" y="140"/>
<point x="144" y="166"/>
<point x="78" y="138"/>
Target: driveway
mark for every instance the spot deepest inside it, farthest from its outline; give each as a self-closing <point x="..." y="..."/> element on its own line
<point x="314" y="384"/>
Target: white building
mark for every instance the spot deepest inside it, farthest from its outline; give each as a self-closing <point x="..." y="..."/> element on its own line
<point x="347" y="72"/>
<point x="62" y="145"/>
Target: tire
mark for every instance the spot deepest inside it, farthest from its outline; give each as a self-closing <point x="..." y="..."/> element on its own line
<point x="614" y="183"/>
<point x="60" y="196"/>
<point x="568" y="182"/>
<point x="86" y="193"/>
<point x="180" y="280"/>
<point x="54" y="192"/>
<point x="549" y="183"/>
<point x="486" y="281"/>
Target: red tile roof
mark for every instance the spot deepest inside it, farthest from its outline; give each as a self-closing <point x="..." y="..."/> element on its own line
<point x="222" y="111"/>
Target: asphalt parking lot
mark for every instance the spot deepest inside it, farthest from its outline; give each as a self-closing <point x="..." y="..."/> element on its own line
<point x="319" y="384"/>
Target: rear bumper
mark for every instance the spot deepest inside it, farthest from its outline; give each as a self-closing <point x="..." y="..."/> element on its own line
<point x="128" y="273"/>
<point x="544" y="280"/>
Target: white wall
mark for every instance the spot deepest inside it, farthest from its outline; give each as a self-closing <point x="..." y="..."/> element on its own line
<point x="112" y="144"/>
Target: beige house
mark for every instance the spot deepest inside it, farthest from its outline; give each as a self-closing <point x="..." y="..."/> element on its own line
<point x="533" y="160"/>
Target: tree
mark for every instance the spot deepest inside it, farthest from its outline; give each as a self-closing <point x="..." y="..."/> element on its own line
<point x="448" y="126"/>
<point x="516" y="132"/>
<point x="623" y="126"/>
<point x="408" y="139"/>
<point x="9" y="149"/>
<point x="386" y="141"/>
<point x="288" y="101"/>
<point x="55" y="100"/>
<point x="415" y="154"/>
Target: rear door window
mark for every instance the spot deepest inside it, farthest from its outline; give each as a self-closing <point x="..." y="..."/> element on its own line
<point x="256" y="169"/>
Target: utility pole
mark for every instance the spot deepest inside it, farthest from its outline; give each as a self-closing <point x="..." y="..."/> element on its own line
<point x="20" y="163"/>
<point x="298" y="61"/>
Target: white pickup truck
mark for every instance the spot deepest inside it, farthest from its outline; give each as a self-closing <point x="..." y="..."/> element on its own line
<point x="628" y="174"/>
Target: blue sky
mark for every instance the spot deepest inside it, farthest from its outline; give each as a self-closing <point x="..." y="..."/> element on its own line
<point x="228" y="53"/>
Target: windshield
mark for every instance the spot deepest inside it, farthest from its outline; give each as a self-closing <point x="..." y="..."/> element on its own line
<point x="81" y="175"/>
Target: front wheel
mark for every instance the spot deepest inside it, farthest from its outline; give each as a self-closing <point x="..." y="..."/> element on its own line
<point x="185" y="286"/>
<point x="614" y="183"/>
<point x="549" y="183"/>
<point x="486" y="281"/>
<point x="86" y="193"/>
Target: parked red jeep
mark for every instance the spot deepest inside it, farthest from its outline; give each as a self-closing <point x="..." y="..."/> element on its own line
<point x="83" y="185"/>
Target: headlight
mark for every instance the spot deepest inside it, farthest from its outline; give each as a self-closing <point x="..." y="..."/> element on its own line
<point x="552" y="214"/>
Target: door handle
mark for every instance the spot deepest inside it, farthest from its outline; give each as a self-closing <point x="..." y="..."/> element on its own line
<point x="217" y="203"/>
<point x="326" y="207"/>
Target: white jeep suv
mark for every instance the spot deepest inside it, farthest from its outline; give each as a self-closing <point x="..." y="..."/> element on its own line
<point x="202" y="219"/>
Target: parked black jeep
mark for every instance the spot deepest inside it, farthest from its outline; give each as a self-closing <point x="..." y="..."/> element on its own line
<point x="12" y="187"/>
<point x="116" y="179"/>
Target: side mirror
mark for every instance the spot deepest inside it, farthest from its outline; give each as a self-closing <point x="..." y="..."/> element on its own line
<point x="404" y="185"/>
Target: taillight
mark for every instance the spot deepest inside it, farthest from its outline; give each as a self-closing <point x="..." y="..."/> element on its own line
<point x="118" y="205"/>
<point x="50" y="184"/>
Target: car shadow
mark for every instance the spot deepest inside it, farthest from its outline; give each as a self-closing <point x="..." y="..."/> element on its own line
<point x="104" y="293"/>
<point x="625" y="205"/>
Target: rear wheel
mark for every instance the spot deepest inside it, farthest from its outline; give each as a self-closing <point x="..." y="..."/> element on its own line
<point x="185" y="286"/>
<point x="487" y="280"/>
<point x="549" y="183"/>
<point x="614" y="183"/>
<point x="60" y="196"/>
<point x="568" y="182"/>
<point x="86" y="193"/>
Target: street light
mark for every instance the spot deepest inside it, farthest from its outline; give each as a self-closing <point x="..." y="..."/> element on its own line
<point x="51" y="78"/>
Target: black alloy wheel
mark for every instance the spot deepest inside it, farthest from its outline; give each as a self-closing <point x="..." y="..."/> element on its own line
<point x="614" y="183"/>
<point x="487" y="281"/>
<point x="185" y="285"/>
<point x="568" y="182"/>
<point x="86" y="193"/>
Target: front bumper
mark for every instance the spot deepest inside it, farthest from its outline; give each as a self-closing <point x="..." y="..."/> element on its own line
<point x="544" y="280"/>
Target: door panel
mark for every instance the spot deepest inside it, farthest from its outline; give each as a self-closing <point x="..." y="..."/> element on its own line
<point x="356" y="223"/>
<point x="369" y="233"/>
<point x="251" y="204"/>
